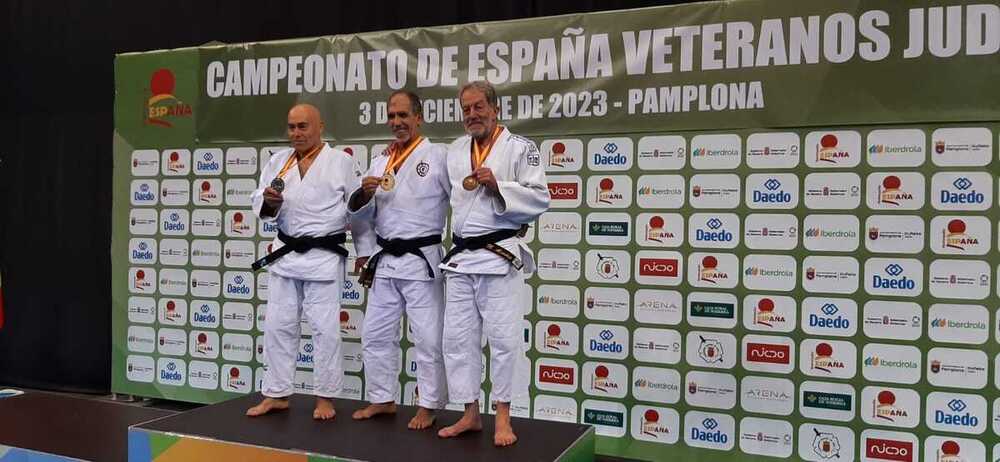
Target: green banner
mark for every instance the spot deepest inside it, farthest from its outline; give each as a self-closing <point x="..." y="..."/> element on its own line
<point x="774" y="228"/>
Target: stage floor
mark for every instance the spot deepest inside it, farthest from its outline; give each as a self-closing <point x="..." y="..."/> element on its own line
<point x="69" y="427"/>
<point x="384" y="438"/>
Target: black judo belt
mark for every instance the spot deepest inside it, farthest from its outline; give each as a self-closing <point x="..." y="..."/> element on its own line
<point x="302" y="245"/>
<point x="488" y="242"/>
<point x="397" y="248"/>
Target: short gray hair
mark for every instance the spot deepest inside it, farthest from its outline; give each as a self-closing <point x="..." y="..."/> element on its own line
<point x="416" y="106"/>
<point x="485" y="87"/>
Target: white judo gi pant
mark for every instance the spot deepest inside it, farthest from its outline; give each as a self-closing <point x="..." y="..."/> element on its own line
<point x="288" y="300"/>
<point x="480" y="303"/>
<point x="423" y="302"/>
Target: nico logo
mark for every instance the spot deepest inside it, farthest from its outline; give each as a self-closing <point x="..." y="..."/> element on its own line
<point x="564" y="191"/>
<point x="886" y="449"/>
<point x="768" y="353"/>
<point x="666" y="267"/>
<point x="162" y="106"/>
<point x="556" y="374"/>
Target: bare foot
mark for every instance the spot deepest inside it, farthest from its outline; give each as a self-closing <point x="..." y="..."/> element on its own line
<point x="470" y="422"/>
<point x="268" y="405"/>
<point x="324" y="409"/>
<point x="423" y="419"/>
<point x="504" y="433"/>
<point x="373" y="410"/>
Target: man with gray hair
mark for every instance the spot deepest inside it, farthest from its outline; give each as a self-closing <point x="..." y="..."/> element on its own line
<point x="498" y="187"/>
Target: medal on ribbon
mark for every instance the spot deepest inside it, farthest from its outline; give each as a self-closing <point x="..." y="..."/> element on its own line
<point x="396" y="158"/>
<point x="278" y="184"/>
<point x="479" y="156"/>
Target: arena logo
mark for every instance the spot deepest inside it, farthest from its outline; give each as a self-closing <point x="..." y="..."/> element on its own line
<point x="162" y="107"/>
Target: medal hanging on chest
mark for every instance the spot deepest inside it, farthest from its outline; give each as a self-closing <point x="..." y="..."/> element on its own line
<point x="396" y="159"/>
<point x="478" y="157"/>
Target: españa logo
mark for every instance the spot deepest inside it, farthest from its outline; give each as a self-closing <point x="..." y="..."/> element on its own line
<point x="954" y="236"/>
<point x="601" y="380"/>
<point x="823" y="360"/>
<point x="655" y="231"/>
<point x="884" y="407"/>
<point x="606" y="193"/>
<point x="559" y="157"/>
<point x="553" y="338"/>
<point x="764" y="315"/>
<point x="891" y="192"/>
<point x="162" y="106"/>
<point x="827" y="150"/>
<point x="708" y="270"/>
<point x="651" y="425"/>
<point x="949" y="452"/>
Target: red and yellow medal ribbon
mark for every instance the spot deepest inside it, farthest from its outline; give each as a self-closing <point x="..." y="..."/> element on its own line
<point x="398" y="156"/>
<point x="479" y="156"/>
<point x="293" y="160"/>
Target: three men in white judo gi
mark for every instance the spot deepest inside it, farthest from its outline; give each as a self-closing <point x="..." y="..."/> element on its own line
<point x="304" y="190"/>
<point x="405" y="196"/>
<point x="498" y="186"/>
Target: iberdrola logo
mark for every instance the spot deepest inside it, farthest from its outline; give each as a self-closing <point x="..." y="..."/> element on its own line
<point x="162" y="106"/>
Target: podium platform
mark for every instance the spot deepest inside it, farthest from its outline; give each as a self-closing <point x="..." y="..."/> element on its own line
<point x="47" y="427"/>
<point x="222" y="432"/>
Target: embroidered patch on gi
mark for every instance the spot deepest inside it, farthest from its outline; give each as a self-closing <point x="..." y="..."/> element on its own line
<point x="423" y="168"/>
<point x="533" y="156"/>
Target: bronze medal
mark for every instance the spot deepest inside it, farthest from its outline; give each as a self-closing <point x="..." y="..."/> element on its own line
<point x="388" y="182"/>
<point x="470" y="183"/>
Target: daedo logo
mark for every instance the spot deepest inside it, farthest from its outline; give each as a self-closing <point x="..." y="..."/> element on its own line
<point x="144" y="193"/>
<point x="964" y="193"/>
<point x="162" y="106"/>
<point x="204" y="314"/>
<point x="714" y="234"/>
<point x="208" y="163"/>
<point x="238" y="286"/>
<point x="606" y="343"/>
<point x="896" y="281"/>
<point x="709" y="432"/>
<point x="610" y="155"/>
